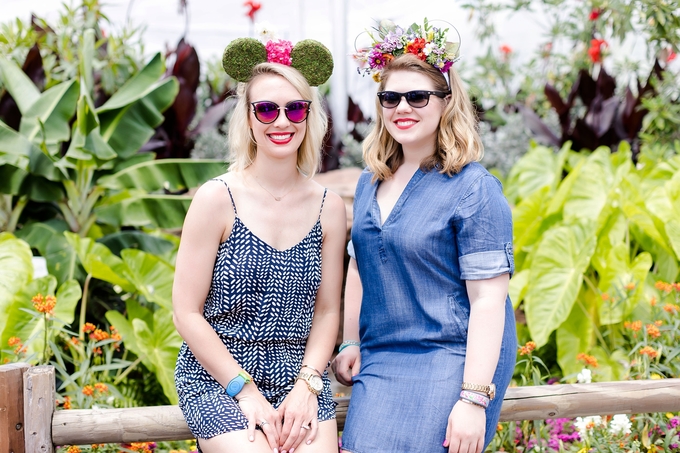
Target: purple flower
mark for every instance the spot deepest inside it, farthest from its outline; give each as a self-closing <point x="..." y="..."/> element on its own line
<point x="392" y="40"/>
<point x="673" y="423"/>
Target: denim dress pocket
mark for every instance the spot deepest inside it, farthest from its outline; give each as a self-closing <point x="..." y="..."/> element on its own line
<point x="460" y="317"/>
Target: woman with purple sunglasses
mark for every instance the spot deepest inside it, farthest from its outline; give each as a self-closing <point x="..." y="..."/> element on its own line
<point x="259" y="270"/>
<point x="429" y="334"/>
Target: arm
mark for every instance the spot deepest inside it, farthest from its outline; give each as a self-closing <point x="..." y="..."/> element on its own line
<point x="467" y="423"/>
<point x="300" y="408"/>
<point x="208" y="220"/>
<point x="348" y="362"/>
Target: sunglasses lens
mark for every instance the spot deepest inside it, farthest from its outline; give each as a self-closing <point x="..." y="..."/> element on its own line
<point x="266" y="112"/>
<point x="417" y="98"/>
<point x="389" y="99"/>
<point x="296" y="111"/>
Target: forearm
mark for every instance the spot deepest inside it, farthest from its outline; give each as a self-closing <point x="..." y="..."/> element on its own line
<point x="207" y="347"/>
<point x="321" y="341"/>
<point x="353" y="295"/>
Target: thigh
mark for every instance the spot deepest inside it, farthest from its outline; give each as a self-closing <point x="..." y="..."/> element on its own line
<point x="326" y="439"/>
<point x="235" y="442"/>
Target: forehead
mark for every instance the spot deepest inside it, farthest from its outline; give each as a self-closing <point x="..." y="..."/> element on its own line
<point x="271" y="87"/>
<point x="403" y="81"/>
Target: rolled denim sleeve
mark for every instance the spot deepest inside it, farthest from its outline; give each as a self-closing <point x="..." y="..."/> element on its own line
<point x="483" y="224"/>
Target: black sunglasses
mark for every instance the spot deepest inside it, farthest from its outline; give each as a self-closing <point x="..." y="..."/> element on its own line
<point x="417" y="99"/>
<point x="267" y="112"/>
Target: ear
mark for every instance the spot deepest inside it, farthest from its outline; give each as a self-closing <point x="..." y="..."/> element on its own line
<point x="241" y="56"/>
<point x="313" y="60"/>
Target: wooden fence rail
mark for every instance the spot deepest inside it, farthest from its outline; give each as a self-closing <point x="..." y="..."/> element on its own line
<point x="88" y="426"/>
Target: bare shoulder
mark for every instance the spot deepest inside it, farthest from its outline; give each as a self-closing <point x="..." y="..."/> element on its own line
<point x="211" y="212"/>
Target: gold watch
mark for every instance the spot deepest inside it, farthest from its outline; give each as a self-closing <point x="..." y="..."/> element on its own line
<point x="489" y="390"/>
<point x="313" y="381"/>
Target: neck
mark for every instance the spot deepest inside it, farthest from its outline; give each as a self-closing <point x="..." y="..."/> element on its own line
<point x="276" y="173"/>
<point x="414" y="154"/>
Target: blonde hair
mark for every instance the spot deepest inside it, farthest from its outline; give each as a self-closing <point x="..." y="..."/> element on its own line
<point x="458" y="142"/>
<point x="242" y="146"/>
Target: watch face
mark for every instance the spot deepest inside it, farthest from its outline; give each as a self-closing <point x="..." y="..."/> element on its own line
<point x="316" y="382"/>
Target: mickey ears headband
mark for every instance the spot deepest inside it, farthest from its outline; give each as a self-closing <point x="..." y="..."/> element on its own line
<point x="310" y="57"/>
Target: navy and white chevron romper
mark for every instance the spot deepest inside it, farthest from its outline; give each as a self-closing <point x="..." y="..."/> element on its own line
<point x="261" y="304"/>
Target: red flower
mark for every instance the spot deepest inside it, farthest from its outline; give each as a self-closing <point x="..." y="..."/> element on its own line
<point x="595" y="51"/>
<point x="595" y="14"/>
<point x="506" y="49"/>
<point x="416" y="48"/>
<point x="253" y="8"/>
<point x="671" y="56"/>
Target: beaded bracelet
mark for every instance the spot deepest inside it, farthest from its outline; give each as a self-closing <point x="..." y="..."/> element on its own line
<point x="348" y="343"/>
<point x="471" y="403"/>
<point x="476" y="398"/>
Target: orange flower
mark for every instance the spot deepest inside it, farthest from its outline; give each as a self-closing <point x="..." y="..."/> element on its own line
<point x="652" y="301"/>
<point x="5" y="360"/>
<point x="73" y="449"/>
<point x="649" y="351"/>
<point x="630" y="286"/>
<point x="663" y="286"/>
<point x="114" y="332"/>
<point x="44" y="304"/>
<point x="653" y="331"/>
<point x="416" y="48"/>
<point x="658" y="323"/>
<point x="671" y="308"/>
<point x="67" y="402"/>
<point x="97" y="351"/>
<point x="635" y="326"/>
<point x="88" y="390"/>
<point x="527" y="348"/>
<point x="74" y="341"/>
<point x="99" y="335"/>
<point x="89" y="327"/>
<point x="605" y="297"/>
<point x="101" y="388"/>
<point x="587" y="359"/>
<point x="13" y="341"/>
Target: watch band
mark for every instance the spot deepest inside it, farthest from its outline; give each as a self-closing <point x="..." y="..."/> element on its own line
<point x="236" y="385"/>
<point x="488" y="390"/>
<point x="307" y="377"/>
<point x="313" y="369"/>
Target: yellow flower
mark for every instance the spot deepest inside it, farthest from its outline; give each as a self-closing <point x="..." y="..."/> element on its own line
<point x="655" y="376"/>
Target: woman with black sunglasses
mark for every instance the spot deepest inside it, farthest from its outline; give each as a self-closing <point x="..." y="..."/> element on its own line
<point x="259" y="271"/>
<point x="429" y="332"/>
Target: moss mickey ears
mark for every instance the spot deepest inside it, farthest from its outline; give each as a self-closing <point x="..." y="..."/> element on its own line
<point x="310" y="57"/>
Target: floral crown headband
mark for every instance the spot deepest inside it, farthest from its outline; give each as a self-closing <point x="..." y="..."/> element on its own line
<point x="390" y="41"/>
<point x="310" y="57"/>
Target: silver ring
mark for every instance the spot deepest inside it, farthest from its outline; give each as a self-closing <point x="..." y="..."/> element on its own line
<point x="262" y="423"/>
<point x="306" y="427"/>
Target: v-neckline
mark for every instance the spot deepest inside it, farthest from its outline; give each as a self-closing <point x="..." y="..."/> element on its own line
<point x="377" y="214"/>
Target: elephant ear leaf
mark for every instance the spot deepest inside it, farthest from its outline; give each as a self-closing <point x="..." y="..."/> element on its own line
<point x="16" y="270"/>
<point x="557" y="268"/>
<point x="151" y="276"/>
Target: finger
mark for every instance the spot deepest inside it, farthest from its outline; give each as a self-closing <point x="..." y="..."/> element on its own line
<point x="454" y="446"/>
<point x="270" y="434"/>
<point x="313" y="431"/>
<point x="290" y="435"/>
<point x="251" y="429"/>
<point x="357" y="366"/>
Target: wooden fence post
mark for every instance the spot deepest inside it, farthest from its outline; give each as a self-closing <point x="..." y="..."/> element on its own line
<point x="39" y="389"/>
<point x="12" y="407"/>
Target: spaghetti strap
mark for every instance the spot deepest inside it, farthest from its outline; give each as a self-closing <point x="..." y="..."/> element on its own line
<point x="233" y="205"/>
<point x="325" y="191"/>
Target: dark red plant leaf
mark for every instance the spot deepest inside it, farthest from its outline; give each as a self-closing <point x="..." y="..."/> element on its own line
<point x="606" y="84"/>
<point x="587" y="88"/>
<point x="538" y="127"/>
<point x="601" y="114"/>
<point x="39" y="28"/>
<point x="560" y="107"/>
<point x="583" y="136"/>
<point x="187" y="65"/>
<point x="213" y="117"/>
<point x="33" y="67"/>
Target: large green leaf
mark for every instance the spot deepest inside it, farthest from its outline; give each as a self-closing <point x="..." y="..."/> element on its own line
<point x="592" y="183"/>
<point x="557" y="269"/>
<point x="16" y="270"/>
<point x="518" y="287"/>
<point x="160" y="343"/>
<point x="12" y="142"/>
<point x="139" y="209"/>
<point x="151" y="276"/>
<point x="18" y="84"/>
<point x="62" y="260"/>
<point x="618" y="273"/>
<point x="536" y="169"/>
<point x="11" y="179"/>
<point x="99" y="262"/>
<point x="129" y="117"/>
<point x="576" y="334"/>
<point x="527" y="218"/>
<point x="29" y="326"/>
<point x="133" y="239"/>
<point x="39" y="234"/>
<point x="169" y="174"/>
<point x="51" y="114"/>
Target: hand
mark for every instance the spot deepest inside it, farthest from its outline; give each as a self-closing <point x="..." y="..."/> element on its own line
<point x="466" y="428"/>
<point x="260" y="412"/>
<point x="347" y="364"/>
<point x="299" y="411"/>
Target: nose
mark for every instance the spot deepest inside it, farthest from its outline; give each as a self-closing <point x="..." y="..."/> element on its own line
<point x="403" y="105"/>
<point x="282" y="120"/>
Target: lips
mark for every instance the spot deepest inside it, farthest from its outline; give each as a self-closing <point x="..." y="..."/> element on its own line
<point x="405" y="123"/>
<point x="281" y="138"/>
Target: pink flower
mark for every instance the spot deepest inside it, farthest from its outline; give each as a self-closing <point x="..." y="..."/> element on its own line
<point x="278" y="51"/>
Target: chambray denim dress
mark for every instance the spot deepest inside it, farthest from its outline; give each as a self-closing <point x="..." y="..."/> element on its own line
<point x="415" y="310"/>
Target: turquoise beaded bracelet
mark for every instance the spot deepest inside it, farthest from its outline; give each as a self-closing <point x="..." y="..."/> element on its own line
<point x="346" y="344"/>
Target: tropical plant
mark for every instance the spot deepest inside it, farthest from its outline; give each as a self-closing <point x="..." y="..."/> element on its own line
<point x="608" y="227"/>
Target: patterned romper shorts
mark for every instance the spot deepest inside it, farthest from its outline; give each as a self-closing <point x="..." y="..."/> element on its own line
<point x="261" y="304"/>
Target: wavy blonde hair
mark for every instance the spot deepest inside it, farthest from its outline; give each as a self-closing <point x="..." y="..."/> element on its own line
<point x="242" y="146"/>
<point x="458" y="142"/>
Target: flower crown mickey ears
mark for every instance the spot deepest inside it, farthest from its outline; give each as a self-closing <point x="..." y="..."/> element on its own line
<point x="310" y="57"/>
<point x="427" y="43"/>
